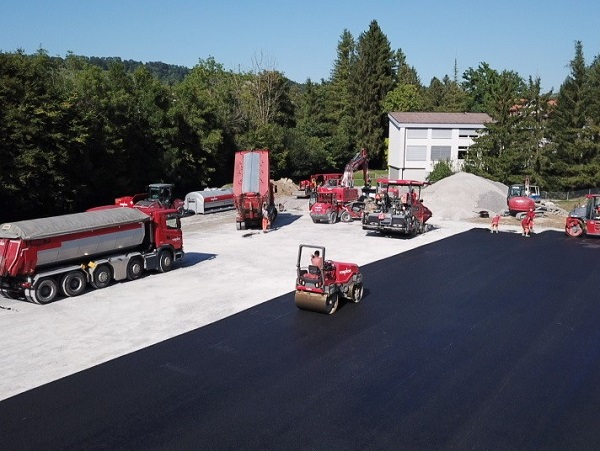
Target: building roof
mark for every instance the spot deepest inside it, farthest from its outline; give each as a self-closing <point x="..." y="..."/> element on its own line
<point x="440" y="118"/>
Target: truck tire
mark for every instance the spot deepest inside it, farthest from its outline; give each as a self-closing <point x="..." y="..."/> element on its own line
<point x="45" y="292"/>
<point x="135" y="268"/>
<point x="165" y="261"/>
<point x="102" y="277"/>
<point x="332" y="303"/>
<point x="73" y="283"/>
<point x="332" y="217"/>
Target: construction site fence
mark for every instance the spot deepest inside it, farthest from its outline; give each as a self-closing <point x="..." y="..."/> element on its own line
<point x="567" y="195"/>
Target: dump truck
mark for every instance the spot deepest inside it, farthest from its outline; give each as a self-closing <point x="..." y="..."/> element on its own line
<point x="252" y="187"/>
<point x="41" y="259"/>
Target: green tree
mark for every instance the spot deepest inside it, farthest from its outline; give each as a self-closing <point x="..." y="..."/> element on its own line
<point x="570" y="148"/>
<point x="404" y="98"/>
<point x="372" y="78"/>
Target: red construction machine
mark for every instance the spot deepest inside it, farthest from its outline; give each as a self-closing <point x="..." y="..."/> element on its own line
<point x="252" y="187"/>
<point x="307" y="187"/>
<point x="342" y="200"/>
<point x="60" y="255"/>
<point x="521" y="198"/>
<point x="331" y="203"/>
<point x="398" y="208"/>
<point x="586" y="219"/>
<point x="157" y="195"/>
<point x="320" y="283"/>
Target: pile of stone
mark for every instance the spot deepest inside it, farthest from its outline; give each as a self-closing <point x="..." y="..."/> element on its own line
<point x="464" y="196"/>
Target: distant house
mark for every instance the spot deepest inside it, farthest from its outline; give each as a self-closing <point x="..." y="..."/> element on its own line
<point x="418" y="140"/>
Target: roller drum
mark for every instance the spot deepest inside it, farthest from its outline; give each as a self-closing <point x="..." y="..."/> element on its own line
<point x="315" y="302"/>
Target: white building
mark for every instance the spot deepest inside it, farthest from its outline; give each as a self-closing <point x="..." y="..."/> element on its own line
<point x="418" y="140"/>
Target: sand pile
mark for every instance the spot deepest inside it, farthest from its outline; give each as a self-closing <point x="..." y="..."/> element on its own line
<point x="285" y="187"/>
<point x="463" y="196"/>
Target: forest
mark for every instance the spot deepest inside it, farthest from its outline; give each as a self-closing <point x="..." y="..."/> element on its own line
<point x="77" y="131"/>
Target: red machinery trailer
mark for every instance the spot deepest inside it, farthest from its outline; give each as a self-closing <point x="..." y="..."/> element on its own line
<point x="156" y="195"/>
<point x="585" y="220"/>
<point x="399" y="208"/>
<point x="42" y="258"/>
<point x="307" y="187"/>
<point x="319" y="287"/>
<point x="252" y="187"/>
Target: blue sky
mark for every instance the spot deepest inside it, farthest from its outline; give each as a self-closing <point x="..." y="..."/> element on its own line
<point x="299" y="38"/>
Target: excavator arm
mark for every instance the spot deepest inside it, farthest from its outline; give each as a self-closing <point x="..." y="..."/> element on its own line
<point x="360" y="160"/>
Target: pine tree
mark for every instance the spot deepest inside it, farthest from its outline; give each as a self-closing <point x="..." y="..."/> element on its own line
<point x="372" y="78"/>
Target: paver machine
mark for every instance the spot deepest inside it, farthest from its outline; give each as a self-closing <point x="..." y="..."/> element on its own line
<point x="321" y="284"/>
<point x="398" y="208"/>
<point x="586" y="219"/>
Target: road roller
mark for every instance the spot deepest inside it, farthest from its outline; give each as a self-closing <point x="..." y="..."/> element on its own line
<point x="322" y="283"/>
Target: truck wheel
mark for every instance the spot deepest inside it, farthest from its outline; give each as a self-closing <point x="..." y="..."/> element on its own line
<point x="73" y="283"/>
<point x="135" y="268"/>
<point x="45" y="292"/>
<point x="345" y="217"/>
<point x="357" y="293"/>
<point x="332" y="218"/>
<point x="332" y="303"/>
<point x="165" y="261"/>
<point x="102" y="277"/>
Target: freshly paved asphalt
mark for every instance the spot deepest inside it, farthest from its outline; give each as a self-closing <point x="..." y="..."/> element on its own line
<point x="478" y="341"/>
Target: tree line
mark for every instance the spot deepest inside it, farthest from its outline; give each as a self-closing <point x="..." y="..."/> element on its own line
<point x="76" y="132"/>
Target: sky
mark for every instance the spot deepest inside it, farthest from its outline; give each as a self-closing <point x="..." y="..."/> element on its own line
<point x="299" y="38"/>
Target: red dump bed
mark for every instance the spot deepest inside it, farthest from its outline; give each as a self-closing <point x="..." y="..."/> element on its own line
<point x="30" y="244"/>
<point x="251" y="173"/>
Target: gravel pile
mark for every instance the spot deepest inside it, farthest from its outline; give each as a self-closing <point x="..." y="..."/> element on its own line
<point x="463" y="196"/>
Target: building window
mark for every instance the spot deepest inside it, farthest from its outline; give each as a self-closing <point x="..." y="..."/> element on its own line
<point x="416" y="133"/>
<point x="462" y="152"/>
<point x="441" y="133"/>
<point x="416" y="153"/>
<point x="440" y="153"/>
<point x="468" y="133"/>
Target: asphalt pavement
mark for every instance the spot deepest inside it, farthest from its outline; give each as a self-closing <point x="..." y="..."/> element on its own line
<point x="477" y="341"/>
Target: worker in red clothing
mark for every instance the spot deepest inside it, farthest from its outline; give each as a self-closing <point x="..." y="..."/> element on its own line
<point x="527" y="222"/>
<point x="495" y="223"/>
<point x="265" y="217"/>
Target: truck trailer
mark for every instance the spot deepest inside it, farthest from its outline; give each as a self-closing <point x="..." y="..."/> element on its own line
<point x="41" y="259"/>
<point x="252" y="187"/>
